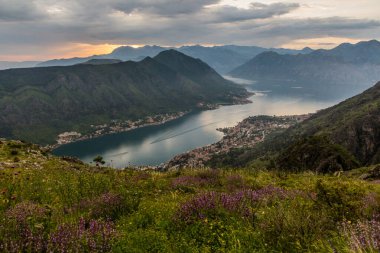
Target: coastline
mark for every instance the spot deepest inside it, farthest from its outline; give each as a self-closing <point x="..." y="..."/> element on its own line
<point x="119" y="127"/>
<point x="101" y="129"/>
<point x="246" y="133"/>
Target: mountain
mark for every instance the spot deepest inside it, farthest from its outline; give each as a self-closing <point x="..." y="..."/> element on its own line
<point x="341" y="72"/>
<point x="361" y="53"/>
<point x="222" y="58"/>
<point x="341" y="137"/>
<point x="129" y="53"/>
<point x="67" y="62"/>
<point x="124" y="53"/>
<point x="12" y="64"/>
<point x="101" y="61"/>
<point x="37" y="104"/>
<point x="353" y="124"/>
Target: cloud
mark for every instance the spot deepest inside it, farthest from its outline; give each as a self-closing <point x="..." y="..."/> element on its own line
<point x="42" y="27"/>
<point x="255" y="11"/>
<point x="162" y="7"/>
<point x="291" y="29"/>
<point x="20" y="10"/>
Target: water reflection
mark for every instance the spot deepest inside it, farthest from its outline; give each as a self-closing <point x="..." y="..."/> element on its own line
<point x="156" y="144"/>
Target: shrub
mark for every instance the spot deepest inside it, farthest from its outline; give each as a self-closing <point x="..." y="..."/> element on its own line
<point x="201" y="179"/>
<point x="341" y="200"/>
<point x="292" y="225"/>
<point x="235" y="182"/>
<point x="109" y="205"/>
<point x="316" y="153"/>
<point x="14" y="152"/>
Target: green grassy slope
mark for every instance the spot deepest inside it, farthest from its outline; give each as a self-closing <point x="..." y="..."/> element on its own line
<point x="50" y="204"/>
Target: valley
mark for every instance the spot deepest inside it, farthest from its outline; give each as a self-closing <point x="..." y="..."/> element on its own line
<point x="153" y="145"/>
<point x="173" y="126"/>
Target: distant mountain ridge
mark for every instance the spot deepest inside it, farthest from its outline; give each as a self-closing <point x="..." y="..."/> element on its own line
<point x="15" y="64"/>
<point x="365" y="52"/>
<point x="101" y="61"/>
<point x="222" y="58"/>
<point x="345" y="70"/>
<point x="37" y="104"/>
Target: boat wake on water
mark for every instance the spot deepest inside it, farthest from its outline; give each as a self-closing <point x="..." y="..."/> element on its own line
<point x="184" y="132"/>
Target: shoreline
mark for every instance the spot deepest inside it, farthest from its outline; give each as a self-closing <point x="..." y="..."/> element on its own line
<point x="246" y="133"/>
<point x="126" y="126"/>
<point x="94" y="135"/>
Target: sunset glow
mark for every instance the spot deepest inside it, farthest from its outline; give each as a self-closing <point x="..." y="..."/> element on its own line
<point x="325" y="43"/>
<point x="38" y="30"/>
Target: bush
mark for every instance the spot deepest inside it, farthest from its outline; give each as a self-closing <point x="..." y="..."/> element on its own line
<point x="293" y="225"/>
<point x="316" y="153"/>
<point x="14" y="152"/>
<point x="340" y="200"/>
<point x="109" y="206"/>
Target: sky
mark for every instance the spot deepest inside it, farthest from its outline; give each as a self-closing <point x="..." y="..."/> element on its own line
<point x="47" y="29"/>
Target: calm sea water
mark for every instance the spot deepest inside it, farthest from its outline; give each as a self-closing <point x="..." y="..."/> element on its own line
<point x="154" y="145"/>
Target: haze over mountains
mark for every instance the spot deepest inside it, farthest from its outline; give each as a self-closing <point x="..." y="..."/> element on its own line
<point x="321" y="74"/>
<point x="97" y="90"/>
<point x="340" y="72"/>
<point x="15" y="64"/>
<point x="222" y="58"/>
<point x="39" y="103"/>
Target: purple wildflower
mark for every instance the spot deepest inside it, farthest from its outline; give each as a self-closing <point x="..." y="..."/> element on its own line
<point x="363" y="236"/>
<point x="25" y="228"/>
<point x="240" y="203"/>
<point x="24" y="211"/>
<point x="91" y="236"/>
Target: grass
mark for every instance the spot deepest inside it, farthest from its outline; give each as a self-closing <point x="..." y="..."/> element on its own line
<point x="60" y="205"/>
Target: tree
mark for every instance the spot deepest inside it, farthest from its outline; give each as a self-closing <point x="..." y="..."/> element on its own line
<point x="99" y="160"/>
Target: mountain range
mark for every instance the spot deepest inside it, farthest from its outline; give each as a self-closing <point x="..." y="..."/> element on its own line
<point x="39" y="103"/>
<point x="15" y="64"/>
<point x="340" y="72"/>
<point x="222" y="58"/>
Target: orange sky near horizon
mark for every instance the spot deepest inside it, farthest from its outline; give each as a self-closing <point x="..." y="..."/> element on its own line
<point x="67" y="51"/>
<point x="41" y="30"/>
<point x="84" y="50"/>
